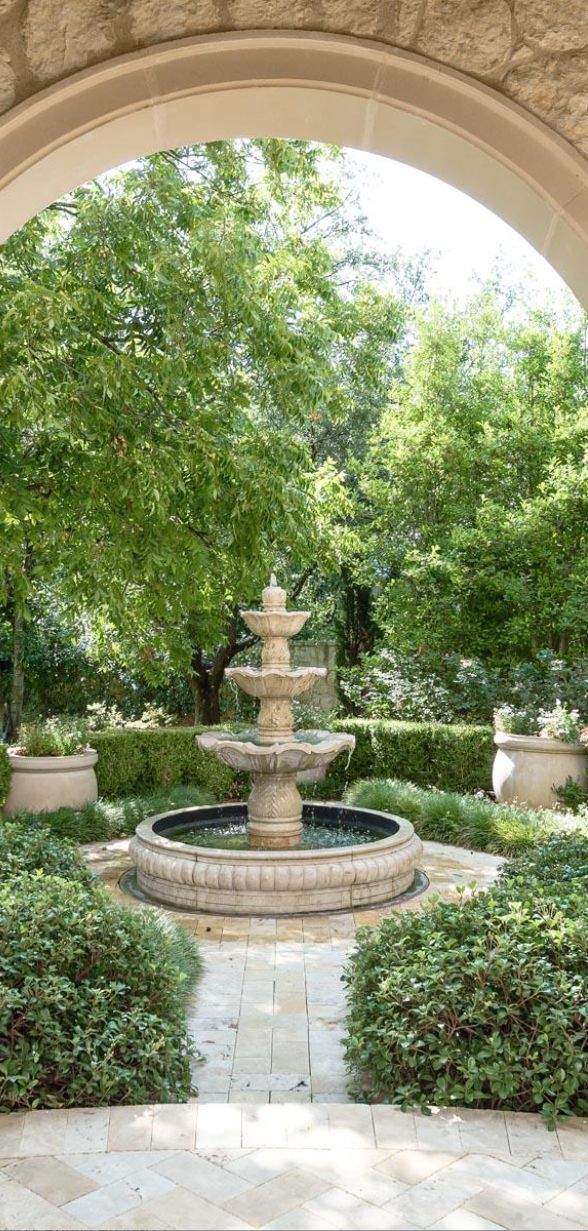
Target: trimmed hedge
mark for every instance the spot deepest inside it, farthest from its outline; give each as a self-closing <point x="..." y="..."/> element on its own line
<point x="453" y="758"/>
<point x="4" y="774"/>
<point x="479" y="1003"/>
<point x="132" y="762"/>
<point x="93" y="996"/>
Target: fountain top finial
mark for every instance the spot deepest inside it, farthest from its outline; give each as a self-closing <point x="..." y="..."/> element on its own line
<point x="274" y="598"/>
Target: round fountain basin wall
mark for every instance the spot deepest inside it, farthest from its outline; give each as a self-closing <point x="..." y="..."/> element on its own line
<point x="274" y="882"/>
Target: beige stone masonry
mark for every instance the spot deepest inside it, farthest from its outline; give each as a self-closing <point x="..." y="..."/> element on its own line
<point x="487" y="39"/>
<point x="88" y="84"/>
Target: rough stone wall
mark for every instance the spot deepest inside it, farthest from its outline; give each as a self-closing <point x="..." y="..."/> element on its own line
<point x="533" y="51"/>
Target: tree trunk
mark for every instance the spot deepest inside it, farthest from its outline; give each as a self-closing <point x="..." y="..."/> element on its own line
<point x="205" y="689"/>
<point x="17" y="685"/>
<point x="356" y="632"/>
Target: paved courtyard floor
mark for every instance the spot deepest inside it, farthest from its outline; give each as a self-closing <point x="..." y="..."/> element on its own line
<point x="271" y="1140"/>
<point x="290" y="1167"/>
<point x="269" y="1010"/>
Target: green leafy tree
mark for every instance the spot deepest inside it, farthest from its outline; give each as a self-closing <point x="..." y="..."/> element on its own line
<point x="476" y="485"/>
<point x="168" y="335"/>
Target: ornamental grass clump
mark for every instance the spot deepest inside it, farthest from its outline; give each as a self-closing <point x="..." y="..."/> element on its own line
<point x="105" y="819"/>
<point x="481" y="1002"/>
<point x="463" y="820"/>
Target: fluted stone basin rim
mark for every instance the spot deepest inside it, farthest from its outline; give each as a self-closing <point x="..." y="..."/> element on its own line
<point x="326" y="744"/>
<point x="274" y="882"/>
<point x="275" y="681"/>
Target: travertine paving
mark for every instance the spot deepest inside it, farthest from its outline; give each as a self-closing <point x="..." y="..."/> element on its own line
<point x="270" y="1141"/>
<point x="289" y="1167"/>
<point x="269" y="1010"/>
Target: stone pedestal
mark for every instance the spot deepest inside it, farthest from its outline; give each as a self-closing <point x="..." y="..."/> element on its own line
<point x="274" y="811"/>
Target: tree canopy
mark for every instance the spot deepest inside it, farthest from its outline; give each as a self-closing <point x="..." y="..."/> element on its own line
<point x="207" y="371"/>
<point x="476" y="484"/>
<point x="172" y="339"/>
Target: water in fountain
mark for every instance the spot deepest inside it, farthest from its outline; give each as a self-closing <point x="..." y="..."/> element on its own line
<point x="275" y="754"/>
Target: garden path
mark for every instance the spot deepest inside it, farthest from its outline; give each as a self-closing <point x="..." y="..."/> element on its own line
<point x="269" y="1009"/>
<point x="290" y="1168"/>
<point x="268" y="1013"/>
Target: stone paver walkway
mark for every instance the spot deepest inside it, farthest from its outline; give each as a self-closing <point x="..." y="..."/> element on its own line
<point x="290" y="1167"/>
<point x="268" y="1015"/>
<point x="269" y="1010"/>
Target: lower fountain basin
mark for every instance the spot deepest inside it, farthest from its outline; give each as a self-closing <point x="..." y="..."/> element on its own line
<point x="254" y="881"/>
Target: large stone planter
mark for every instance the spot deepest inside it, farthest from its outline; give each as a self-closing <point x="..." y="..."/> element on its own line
<point x="527" y="768"/>
<point x="40" y="784"/>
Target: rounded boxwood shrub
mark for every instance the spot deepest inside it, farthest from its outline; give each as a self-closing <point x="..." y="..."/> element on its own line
<point x="559" y="864"/>
<point x="479" y="1003"/>
<point x="34" y="848"/>
<point x="92" y="998"/>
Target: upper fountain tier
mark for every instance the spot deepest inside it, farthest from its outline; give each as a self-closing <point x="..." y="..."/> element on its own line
<point x="275" y="626"/>
<point x="276" y="682"/>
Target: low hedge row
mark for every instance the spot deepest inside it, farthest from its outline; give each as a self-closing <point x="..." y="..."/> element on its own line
<point x="453" y="758"/>
<point x="132" y="762"/>
<point x="92" y="995"/>
<point x="136" y="762"/>
<point x="479" y="1003"/>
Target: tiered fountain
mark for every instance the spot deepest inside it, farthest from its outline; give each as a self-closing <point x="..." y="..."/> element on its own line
<point x="275" y="855"/>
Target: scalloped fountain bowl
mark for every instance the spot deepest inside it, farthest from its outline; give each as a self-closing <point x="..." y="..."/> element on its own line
<point x="371" y="859"/>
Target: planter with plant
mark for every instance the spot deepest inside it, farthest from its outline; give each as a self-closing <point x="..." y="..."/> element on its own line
<point x="52" y="767"/>
<point x="537" y="752"/>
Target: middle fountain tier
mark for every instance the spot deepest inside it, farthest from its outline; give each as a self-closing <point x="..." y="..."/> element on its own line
<point x="274" y="754"/>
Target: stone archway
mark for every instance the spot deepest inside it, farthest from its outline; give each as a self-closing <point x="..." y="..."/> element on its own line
<point x="292" y="84"/>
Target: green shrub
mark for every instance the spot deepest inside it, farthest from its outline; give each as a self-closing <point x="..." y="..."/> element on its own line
<point x="92" y="999"/>
<point x="429" y="686"/>
<point x="480" y="1003"/>
<point x="560" y="863"/>
<point x="573" y="795"/>
<point x="559" y="722"/>
<point x="4" y="774"/>
<point x="131" y="761"/>
<point x="444" y="816"/>
<point x="33" y="848"/>
<point x="453" y="758"/>
<point x="110" y="819"/>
